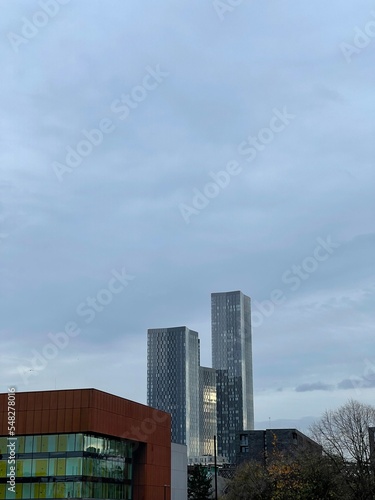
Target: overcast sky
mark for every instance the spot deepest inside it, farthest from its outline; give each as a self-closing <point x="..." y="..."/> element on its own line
<point x="153" y="152"/>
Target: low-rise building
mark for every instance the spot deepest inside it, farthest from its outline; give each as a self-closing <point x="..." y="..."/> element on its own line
<point x="260" y="445"/>
<point x="84" y="443"/>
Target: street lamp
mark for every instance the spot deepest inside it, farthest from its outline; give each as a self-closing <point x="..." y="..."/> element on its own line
<point x="215" y="465"/>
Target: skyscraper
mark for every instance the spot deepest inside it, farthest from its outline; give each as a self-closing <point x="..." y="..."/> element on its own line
<point x="173" y="381"/>
<point x="207" y="411"/>
<point x="232" y="359"/>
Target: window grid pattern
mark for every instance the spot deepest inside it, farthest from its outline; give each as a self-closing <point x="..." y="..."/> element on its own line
<point x="232" y="358"/>
<point x="173" y="381"/>
<point x="68" y="466"/>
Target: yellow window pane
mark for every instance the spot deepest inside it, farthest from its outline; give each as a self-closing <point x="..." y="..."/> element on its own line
<point x="19" y="491"/>
<point x="60" y="490"/>
<point x="42" y="490"/>
<point x="2" y="491"/>
<point x="3" y="468"/>
<point x="40" y="467"/>
<point x="61" y="466"/>
<point x="63" y="442"/>
<point x="44" y="443"/>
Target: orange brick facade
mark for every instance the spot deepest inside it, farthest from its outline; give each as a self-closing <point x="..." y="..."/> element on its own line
<point x="90" y="410"/>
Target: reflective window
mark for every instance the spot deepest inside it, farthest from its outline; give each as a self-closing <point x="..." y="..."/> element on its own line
<point x="70" y="442"/>
<point x="52" y="443"/>
<point x="29" y="444"/>
<point x="37" y="445"/>
<point x="74" y="466"/>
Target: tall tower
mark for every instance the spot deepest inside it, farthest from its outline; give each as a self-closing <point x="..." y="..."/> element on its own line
<point x="173" y="381"/>
<point x="232" y="359"/>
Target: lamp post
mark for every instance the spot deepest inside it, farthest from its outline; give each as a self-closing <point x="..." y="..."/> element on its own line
<point x="215" y="465"/>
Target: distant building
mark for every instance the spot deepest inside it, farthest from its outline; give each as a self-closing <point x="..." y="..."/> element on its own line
<point x="232" y="359"/>
<point x="207" y="410"/>
<point x="260" y="445"/>
<point x="82" y="444"/>
<point x="173" y="381"/>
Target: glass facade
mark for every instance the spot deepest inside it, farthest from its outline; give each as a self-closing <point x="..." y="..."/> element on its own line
<point x="68" y="466"/>
<point x="173" y="381"/>
<point x="232" y="358"/>
<point x="207" y="400"/>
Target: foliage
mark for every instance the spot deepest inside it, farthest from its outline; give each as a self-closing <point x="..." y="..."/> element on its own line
<point x="342" y="472"/>
<point x="199" y="484"/>
<point x="343" y="433"/>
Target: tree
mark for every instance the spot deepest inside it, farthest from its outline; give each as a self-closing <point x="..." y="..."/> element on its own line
<point x="251" y="482"/>
<point x="199" y="484"/>
<point x="344" y="435"/>
<point x="298" y="474"/>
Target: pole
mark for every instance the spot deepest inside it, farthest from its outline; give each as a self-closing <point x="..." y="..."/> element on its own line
<point x="215" y="465"/>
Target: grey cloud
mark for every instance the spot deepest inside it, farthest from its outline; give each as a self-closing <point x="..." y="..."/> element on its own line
<point x="317" y="386"/>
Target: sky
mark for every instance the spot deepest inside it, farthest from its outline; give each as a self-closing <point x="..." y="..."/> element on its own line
<point x="155" y="152"/>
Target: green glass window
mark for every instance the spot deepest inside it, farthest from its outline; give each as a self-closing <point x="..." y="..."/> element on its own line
<point x="74" y="466"/>
<point x="88" y="467"/>
<point x="71" y="438"/>
<point x="28" y="444"/>
<point x="61" y="466"/>
<point x="40" y="467"/>
<point x="77" y="490"/>
<point x="2" y="491"/>
<point x="62" y="442"/>
<point x="21" y="444"/>
<point x="26" y="490"/>
<point x="44" y="446"/>
<point x="79" y="442"/>
<point x="52" y="442"/>
<point x="23" y="467"/>
<point x="52" y="467"/>
<point x="37" y="445"/>
<point x="3" y="468"/>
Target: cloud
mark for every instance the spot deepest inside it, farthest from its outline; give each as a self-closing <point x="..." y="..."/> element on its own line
<point x="317" y="386"/>
<point x="357" y="383"/>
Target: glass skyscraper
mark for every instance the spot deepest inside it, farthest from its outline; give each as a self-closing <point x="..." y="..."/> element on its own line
<point x="207" y="401"/>
<point x="173" y="381"/>
<point x="232" y="359"/>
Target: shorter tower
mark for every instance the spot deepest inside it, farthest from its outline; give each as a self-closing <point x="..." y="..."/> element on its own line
<point x="207" y="410"/>
<point x="173" y="381"/>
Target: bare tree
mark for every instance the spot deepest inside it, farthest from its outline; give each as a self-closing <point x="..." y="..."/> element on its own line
<point x="344" y="435"/>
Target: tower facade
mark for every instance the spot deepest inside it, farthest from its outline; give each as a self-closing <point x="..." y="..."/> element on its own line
<point x="173" y="381"/>
<point x="207" y="413"/>
<point x="232" y="359"/>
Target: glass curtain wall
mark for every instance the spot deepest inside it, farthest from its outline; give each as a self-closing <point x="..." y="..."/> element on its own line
<point x="68" y="466"/>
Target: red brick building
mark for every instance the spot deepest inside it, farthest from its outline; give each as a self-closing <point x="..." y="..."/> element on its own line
<point x="86" y="443"/>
